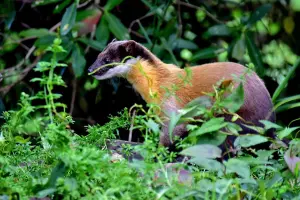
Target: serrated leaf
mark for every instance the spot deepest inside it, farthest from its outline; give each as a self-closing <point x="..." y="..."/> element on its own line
<point x="238" y="166"/>
<point x="68" y="19"/>
<point x="258" y="14"/>
<point x="111" y="4"/>
<point x="254" y="54"/>
<point x="219" y="30"/>
<point x="152" y="125"/>
<point x="116" y="26"/>
<point x="212" y="125"/>
<point x="33" y="32"/>
<point x="203" y="151"/>
<point x="249" y="140"/>
<point x="78" y="61"/>
<point x="286" y="132"/>
<point x="268" y="125"/>
<point x="235" y="100"/>
<point x="102" y="32"/>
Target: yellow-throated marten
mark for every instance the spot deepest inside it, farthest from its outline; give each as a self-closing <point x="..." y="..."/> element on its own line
<point x="151" y="74"/>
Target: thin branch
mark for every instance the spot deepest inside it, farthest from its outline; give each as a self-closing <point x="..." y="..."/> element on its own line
<point x="74" y="84"/>
<point x="131" y="127"/>
<point x="199" y="8"/>
<point x="5" y="90"/>
<point x="179" y="19"/>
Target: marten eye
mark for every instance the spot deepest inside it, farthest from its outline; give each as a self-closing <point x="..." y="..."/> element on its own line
<point x="106" y="60"/>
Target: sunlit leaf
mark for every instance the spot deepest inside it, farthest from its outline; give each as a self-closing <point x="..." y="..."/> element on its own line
<point x="249" y="140"/>
<point x="35" y="32"/>
<point x="209" y="164"/>
<point x="268" y="125"/>
<point x="286" y="132"/>
<point x="212" y="125"/>
<point x="235" y="100"/>
<point x="238" y="166"/>
<point x="203" y="151"/>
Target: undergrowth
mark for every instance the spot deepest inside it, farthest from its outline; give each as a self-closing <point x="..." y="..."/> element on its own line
<point x="42" y="157"/>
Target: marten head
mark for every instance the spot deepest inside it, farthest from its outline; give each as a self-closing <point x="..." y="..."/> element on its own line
<point x="115" y="52"/>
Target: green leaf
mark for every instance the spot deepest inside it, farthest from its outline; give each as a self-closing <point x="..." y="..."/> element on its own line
<point x="33" y="32"/>
<point x="92" y="43"/>
<point x="286" y="100"/>
<point x="258" y="14"/>
<point x="152" y="126"/>
<point x="78" y="61"/>
<point x="203" y="151"/>
<point x="61" y="6"/>
<point x="116" y="26"/>
<point x="254" y="54"/>
<point x="287" y="107"/>
<point x="45" y="2"/>
<point x="212" y="125"/>
<point x="204" y="101"/>
<point x="111" y="4"/>
<point x="102" y="32"/>
<point x="286" y="132"/>
<point x="209" y="164"/>
<point x="235" y="100"/>
<point x="219" y="30"/>
<point x="249" y="140"/>
<point x="21" y="140"/>
<point x="238" y="166"/>
<point x="213" y="139"/>
<point x="210" y="52"/>
<point x="239" y="49"/>
<point x="68" y="19"/>
<point x="268" y="125"/>
<point x="284" y="83"/>
<point x="174" y="119"/>
<point x="46" y="192"/>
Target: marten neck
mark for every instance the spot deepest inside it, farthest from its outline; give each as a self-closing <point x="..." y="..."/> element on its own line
<point x="147" y="79"/>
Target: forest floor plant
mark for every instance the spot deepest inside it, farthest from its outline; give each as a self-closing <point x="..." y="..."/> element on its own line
<point x="41" y="157"/>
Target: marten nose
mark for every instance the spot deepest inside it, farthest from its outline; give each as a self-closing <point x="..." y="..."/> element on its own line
<point x="90" y="70"/>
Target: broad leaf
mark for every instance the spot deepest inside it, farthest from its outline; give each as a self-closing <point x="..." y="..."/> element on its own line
<point x="78" y="61"/>
<point x="239" y="49"/>
<point x="212" y="125"/>
<point x="254" y="54"/>
<point x="213" y="139"/>
<point x="102" y="32"/>
<point x="152" y="125"/>
<point x="268" y="125"/>
<point x="174" y="119"/>
<point x="35" y="32"/>
<point x="210" y="52"/>
<point x="235" y="100"/>
<point x="238" y="166"/>
<point x="249" y="140"/>
<point x="92" y="43"/>
<point x="209" y="164"/>
<point x="116" y="26"/>
<point x="258" y="14"/>
<point x="219" y="30"/>
<point x="203" y="151"/>
<point x="68" y="19"/>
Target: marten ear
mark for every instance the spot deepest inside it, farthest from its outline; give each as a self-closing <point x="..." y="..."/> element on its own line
<point x="130" y="46"/>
